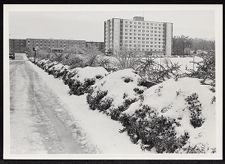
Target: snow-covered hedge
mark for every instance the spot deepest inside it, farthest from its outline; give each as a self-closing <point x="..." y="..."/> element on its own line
<point x="42" y="63"/>
<point x="174" y="116"/>
<point x="81" y="79"/>
<point x="78" y="79"/>
<point x="114" y="93"/>
<point x="58" y="70"/>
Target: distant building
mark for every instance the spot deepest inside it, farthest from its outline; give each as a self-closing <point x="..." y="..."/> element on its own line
<point x="17" y="45"/>
<point x="99" y="45"/>
<point x="139" y="35"/>
<point x="49" y="44"/>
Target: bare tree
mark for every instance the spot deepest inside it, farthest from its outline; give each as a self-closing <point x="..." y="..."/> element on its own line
<point x="127" y="58"/>
<point x="92" y="54"/>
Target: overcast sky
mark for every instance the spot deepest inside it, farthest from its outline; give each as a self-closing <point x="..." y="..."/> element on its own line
<point x="80" y="25"/>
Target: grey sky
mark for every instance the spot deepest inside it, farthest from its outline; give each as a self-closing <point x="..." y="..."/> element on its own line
<point x="90" y="25"/>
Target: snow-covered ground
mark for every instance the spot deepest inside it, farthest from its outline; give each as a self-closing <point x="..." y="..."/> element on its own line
<point x="90" y="131"/>
<point x="186" y="63"/>
<point x="36" y="116"/>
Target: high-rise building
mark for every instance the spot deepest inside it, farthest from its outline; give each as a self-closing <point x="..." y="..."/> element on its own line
<point x="138" y="35"/>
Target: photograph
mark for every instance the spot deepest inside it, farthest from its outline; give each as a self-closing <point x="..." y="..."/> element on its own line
<point x="112" y="81"/>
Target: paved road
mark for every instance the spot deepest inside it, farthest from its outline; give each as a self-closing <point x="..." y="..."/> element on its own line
<point x="34" y="123"/>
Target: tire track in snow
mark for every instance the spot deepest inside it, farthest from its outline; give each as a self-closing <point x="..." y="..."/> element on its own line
<point x="35" y="125"/>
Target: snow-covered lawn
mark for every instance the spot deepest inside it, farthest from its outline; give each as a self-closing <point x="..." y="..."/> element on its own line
<point x="186" y="63"/>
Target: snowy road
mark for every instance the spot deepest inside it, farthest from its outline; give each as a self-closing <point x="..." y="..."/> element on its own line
<point x="35" y="126"/>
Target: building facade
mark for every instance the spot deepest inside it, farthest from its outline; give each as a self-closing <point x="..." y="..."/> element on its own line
<point x="17" y="45"/>
<point x="99" y="45"/>
<point x="51" y="44"/>
<point x="138" y="35"/>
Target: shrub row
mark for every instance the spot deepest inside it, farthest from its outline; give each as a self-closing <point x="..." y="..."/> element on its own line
<point x="168" y="117"/>
<point x="79" y="79"/>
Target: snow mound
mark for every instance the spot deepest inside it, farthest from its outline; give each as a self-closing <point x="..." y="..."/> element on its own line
<point x="115" y="92"/>
<point x="81" y="79"/>
<point x="89" y="73"/>
<point x="183" y="112"/>
<point x="58" y="70"/>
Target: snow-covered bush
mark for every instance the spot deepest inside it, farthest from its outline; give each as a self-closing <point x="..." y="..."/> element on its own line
<point x="42" y="63"/>
<point x="67" y="77"/>
<point x="47" y="66"/>
<point x="58" y="70"/>
<point x="114" y="93"/>
<point x="84" y="78"/>
<point x="174" y="116"/>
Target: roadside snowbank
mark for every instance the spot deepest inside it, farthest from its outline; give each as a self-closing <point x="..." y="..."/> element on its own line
<point x="98" y="128"/>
